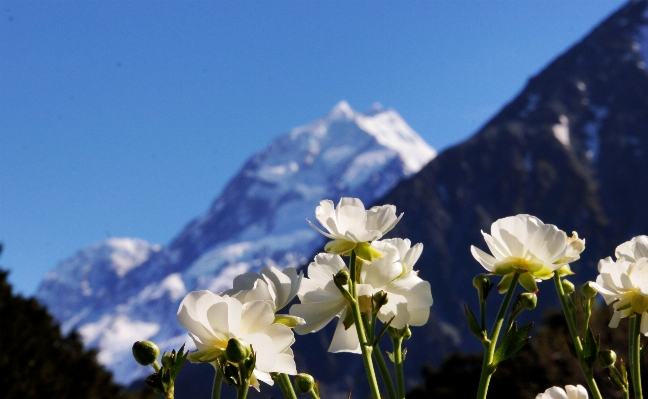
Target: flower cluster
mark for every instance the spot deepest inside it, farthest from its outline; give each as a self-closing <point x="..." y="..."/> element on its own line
<point x="239" y="332"/>
<point x="624" y="282"/>
<point x="385" y="267"/>
<point x="245" y="314"/>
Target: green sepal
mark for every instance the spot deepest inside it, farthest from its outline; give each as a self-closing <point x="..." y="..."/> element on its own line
<point x="591" y="347"/>
<point x="528" y="282"/>
<point x="339" y="247"/>
<point x="513" y="341"/>
<point x="474" y="326"/>
<point x="348" y="318"/>
<point x="288" y="320"/>
<point x="505" y="283"/>
<point x="365" y="251"/>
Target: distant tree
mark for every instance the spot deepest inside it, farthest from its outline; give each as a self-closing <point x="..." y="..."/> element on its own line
<point x="544" y="363"/>
<point x="37" y="361"/>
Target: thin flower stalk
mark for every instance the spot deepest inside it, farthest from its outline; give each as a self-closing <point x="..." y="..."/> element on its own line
<point x="384" y="372"/>
<point x="488" y="369"/>
<point x="286" y="386"/>
<point x="573" y="330"/>
<point x="635" y="360"/>
<point x="398" y="365"/>
<point x="218" y="383"/>
<point x="357" y="318"/>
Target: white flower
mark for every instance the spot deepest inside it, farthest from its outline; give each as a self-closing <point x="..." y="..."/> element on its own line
<point x="633" y="250"/>
<point x="408" y="296"/>
<point x="212" y="320"/>
<point x="573" y="392"/>
<point x="625" y="282"/>
<point x="349" y="225"/>
<point x="272" y="285"/>
<point x="321" y="301"/>
<point x="523" y="243"/>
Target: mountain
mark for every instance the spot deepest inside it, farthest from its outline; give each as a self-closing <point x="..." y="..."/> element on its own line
<point x="571" y="148"/>
<point x="123" y="290"/>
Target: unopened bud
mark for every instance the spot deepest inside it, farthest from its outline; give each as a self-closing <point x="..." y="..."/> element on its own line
<point x="528" y="300"/>
<point x="380" y="298"/>
<point x="304" y="382"/>
<point x="588" y="290"/>
<point x="145" y="352"/>
<point x="168" y="359"/>
<point x="237" y="350"/>
<point x="607" y="358"/>
<point x="568" y="287"/>
<point x="342" y="277"/>
<point x="406" y="332"/>
<point x="481" y="282"/>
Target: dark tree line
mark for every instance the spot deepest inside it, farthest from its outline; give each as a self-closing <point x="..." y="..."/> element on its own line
<point x="37" y="361"/>
<point x="543" y="363"/>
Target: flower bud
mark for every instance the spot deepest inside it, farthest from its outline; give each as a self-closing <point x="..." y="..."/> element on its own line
<point x="380" y="298"/>
<point x="304" y="382"/>
<point x="528" y="300"/>
<point x="237" y="350"/>
<point x="145" y="352"/>
<point x="168" y="359"/>
<point x="342" y="277"/>
<point x="483" y="285"/>
<point x="588" y="290"/>
<point x="568" y="287"/>
<point x="607" y="358"/>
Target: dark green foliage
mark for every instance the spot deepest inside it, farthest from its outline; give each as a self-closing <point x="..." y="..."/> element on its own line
<point x="546" y="362"/>
<point x="37" y="361"/>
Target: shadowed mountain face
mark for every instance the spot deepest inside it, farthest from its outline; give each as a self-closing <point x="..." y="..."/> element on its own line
<point x="571" y="148"/>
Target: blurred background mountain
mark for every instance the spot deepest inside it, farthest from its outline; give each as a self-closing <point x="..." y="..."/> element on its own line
<point x="571" y="148"/>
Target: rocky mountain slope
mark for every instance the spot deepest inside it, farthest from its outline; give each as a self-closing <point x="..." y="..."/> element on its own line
<point x="571" y="148"/>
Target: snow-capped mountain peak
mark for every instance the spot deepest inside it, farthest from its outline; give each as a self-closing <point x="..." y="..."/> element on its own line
<point x="258" y="220"/>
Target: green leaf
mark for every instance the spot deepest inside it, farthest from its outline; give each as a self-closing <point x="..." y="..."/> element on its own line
<point x="390" y="356"/>
<point x="404" y="354"/>
<point x="642" y="351"/>
<point x="512" y="342"/>
<point x="382" y="331"/>
<point x="590" y="348"/>
<point x="474" y="326"/>
<point x="615" y="380"/>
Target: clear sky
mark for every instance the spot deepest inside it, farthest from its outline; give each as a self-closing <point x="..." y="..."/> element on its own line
<point x="127" y="118"/>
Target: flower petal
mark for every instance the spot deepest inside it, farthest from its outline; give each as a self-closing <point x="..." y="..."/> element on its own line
<point x="345" y="340"/>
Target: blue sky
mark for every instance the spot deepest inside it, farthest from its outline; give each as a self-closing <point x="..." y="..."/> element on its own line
<point x="127" y="118"/>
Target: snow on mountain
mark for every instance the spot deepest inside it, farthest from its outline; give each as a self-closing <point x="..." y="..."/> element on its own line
<point x="125" y="290"/>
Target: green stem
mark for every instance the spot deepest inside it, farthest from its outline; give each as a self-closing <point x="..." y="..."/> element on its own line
<point x="635" y="361"/>
<point x="370" y="326"/>
<point x="384" y="372"/>
<point x="482" y="313"/>
<point x="218" y="383"/>
<point x="366" y="348"/>
<point x="156" y="366"/>
<point x="242" y="391"/>
<point x="398" y="365"/>
<point x="573" y="330"/>
<point x="286" y="386"/>
<point x="488" y="369"/>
